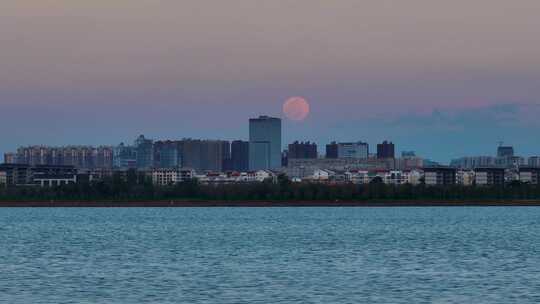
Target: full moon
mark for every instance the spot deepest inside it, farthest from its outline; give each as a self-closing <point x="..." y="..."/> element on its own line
<point x="296" y="108"/>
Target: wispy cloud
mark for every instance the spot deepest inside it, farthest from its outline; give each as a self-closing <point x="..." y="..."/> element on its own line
<point x="506" y="115"/>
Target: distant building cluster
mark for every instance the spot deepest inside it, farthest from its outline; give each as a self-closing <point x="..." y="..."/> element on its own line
<point x="77" y="156"/>
<point x="258" y="159"/>
<point x="505" y="158"/>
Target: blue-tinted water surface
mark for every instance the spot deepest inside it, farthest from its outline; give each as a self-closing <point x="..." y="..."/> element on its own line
<point x="270" y="255"/>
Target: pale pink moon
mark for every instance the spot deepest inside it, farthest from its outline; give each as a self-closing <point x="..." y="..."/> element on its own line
<point x="296" y="108"/>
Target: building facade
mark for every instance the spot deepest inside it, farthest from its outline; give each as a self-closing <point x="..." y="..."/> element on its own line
<point x="10" y="158"/>
<point x="203" y="155"/>
<point x="353" y="150"/>
<point x="240" y="155"/>
<point x="124" y="157"/>
<point x="264" y="143"/>
<point x="533" y="161"/>
<point x="385" y="150"/>
<point x="302" y="150"/>
<point x="301" y="168"/>
<point x="85" y="157"/>
<point x="505" y="151"/>
<point x="529" y="175"/>
<point x="439" y="176"/>
<point x="167" y="154"/>
<point x="145" y="153"/>
<point x="489" y="176"/>
<point x="27" y="175"/>
<point x="332" y="150"/>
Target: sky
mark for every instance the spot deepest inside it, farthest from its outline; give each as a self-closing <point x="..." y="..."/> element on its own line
<point x="443" y="78"/>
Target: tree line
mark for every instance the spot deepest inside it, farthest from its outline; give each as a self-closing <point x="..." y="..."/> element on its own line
<point x="135" y="187"/>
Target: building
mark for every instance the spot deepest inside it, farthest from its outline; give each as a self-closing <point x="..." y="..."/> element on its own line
<point x="171" y="176"/>
<point x="124" y="157"/>
<point x="165" y="176"/>
<point x="285" y="158"/>
<point x="357" y="176"/>
<point x="487" y="162"/>
<point x="264" y="143"/>
<point x="509" y="161"/>
<point x="3" y="178"/>
<point x="414" y="177"/>
<point x="473" y="162"/>
<point x="10" y="158"/>
<point x="353" y="150"/>
<point x="17" y="174"/>
<point x="203" y="155"/>
<point x="26" y="175"/>
<point x="489" y="176"/>
<point x="332" y="150"/>
<point x="302" y="150"/>
<point x="213" y="153"/>
<point x="438" y="176"/>
<point x="408" y="163"/>
<point x="302" y="168"/>
<point x="529" y="175"/>
<point x="259" y="155"/>
<point x="323" y="175"/>
<point x="54" y="180"/>
<point x="167" y="154"/>
<point x="226" y="160"/>
<point x="104" y="157"/>
<point x="145" y="153"/>
<point x="408" y="154"/>
<point x="533" y="161"/>
<point x="465" y="177"/>
<point x="505" y="159"/>
<point x="347" y="150"/>
<point x="395" y="177"/>
<point x="84" y="157"/>
<point x="505" y="151"/>
<point x="385" y="150"/>
<point x="263" y="175"/>
<point x="240" y="155"/>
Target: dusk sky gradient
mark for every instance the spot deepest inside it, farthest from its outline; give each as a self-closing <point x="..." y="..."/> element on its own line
<point x="443" y="78"/>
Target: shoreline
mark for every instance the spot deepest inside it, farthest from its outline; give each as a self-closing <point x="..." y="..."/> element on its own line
<point x="255" y="204"/>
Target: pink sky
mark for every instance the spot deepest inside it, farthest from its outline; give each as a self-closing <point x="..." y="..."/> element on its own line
<point x="379" y="60"/>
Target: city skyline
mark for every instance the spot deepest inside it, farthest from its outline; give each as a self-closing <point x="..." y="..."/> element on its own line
<point x="269" y="151"/>
<point x="444" y="79"/>
<point x="260" y="152"/>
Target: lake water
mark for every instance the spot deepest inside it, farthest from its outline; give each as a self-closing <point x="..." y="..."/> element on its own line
<point x="270" y="255"/>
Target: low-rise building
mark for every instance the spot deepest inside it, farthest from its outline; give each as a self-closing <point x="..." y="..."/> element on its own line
<point x="166" y="176"/>
<point x="305" y="168"/>
<point x="262" y="175"/>
<point x="465" y="177"/>
<point x="27" y="175"/>
<point x="214" y="178"/>
<point x="395" y="177"/>
<point x="415" y="177"/>
<point x="408" y="163"/>
<point x="55" y="180"/>
<point x="440" y="176"/>
<point x="489" y="176"/>
<point x="534" y="161"/>
<point x="322" y="175"/>
<point x="10" y="158"/>
<point x="529" y="175"/>
<point x="3" y="179"/>
<point x="169" y="176"/>
<point x="357" y="176"/>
